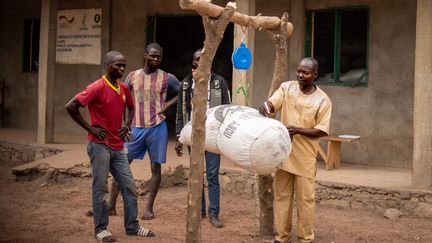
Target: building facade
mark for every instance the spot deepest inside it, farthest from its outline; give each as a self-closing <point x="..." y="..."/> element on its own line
<point x="375" y="64"/>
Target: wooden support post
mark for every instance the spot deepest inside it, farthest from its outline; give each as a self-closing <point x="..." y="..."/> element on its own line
<point x="280" y="30"/>
<point x="214" y="30"/>
<point x="280" y="73"/>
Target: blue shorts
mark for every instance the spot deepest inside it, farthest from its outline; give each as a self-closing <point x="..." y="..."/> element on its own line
<point x="153" y="139"/>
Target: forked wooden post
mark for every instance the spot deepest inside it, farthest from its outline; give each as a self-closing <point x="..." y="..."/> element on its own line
<point x="280" y="74"/>
<point x="215" y="20"/>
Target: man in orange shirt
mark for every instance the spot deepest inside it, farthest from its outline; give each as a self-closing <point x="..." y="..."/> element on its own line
<point x="305" y="111"/>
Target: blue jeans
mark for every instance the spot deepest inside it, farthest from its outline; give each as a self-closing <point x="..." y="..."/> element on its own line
<point x="103" y="160"/>
<point x="212" y="172"/>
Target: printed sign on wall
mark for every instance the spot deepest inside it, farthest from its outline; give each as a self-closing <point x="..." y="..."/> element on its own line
<point x="79" y="36"/>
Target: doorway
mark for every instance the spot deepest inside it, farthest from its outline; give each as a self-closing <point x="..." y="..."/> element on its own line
<point x="180" y="36"/>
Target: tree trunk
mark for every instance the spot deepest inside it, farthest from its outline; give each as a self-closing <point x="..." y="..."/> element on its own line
<point x="214" y="30"/>
<point x="265" y="182"/>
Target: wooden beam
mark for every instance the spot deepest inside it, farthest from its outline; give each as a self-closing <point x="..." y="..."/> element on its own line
<point x="205" y="8"/>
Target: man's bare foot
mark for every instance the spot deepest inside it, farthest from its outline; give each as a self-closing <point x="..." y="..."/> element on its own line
<point x="112" y="212"/>
<point x="148" y="215"/>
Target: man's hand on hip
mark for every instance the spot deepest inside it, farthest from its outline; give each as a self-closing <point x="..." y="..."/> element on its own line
<point x="98" y="132"/>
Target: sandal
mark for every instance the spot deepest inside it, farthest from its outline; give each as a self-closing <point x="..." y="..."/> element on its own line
<point x="105" y="236"/>
<point x="145" y="232"/>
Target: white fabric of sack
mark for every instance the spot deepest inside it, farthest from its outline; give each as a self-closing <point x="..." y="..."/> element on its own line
<point x="213" y="122"/>
<point x="250" y="140"/>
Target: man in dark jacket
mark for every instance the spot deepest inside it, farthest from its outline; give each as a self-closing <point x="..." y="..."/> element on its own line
<point x="218" y="94"/>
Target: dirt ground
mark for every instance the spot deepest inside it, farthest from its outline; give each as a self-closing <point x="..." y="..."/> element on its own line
<point x="54" y="211"/>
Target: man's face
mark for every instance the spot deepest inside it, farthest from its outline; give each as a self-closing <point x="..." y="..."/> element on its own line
<point x="305" y="73"/>
<point x="154" y="58"/>
<point x="196" y="59"/>
<point x="117" y="67"/>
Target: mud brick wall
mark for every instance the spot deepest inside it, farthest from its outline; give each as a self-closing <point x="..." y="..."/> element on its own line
<point x="342" y="196"/>
<point x="409" y="202"/>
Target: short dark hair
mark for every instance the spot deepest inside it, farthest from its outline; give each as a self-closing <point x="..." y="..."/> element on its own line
<point x="109" y="57"/>
<point x="153" y="45"/>
<point x="313" y="61"/>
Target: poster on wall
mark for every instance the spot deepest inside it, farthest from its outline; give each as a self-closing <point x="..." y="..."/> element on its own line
<point x="79" y="36"/>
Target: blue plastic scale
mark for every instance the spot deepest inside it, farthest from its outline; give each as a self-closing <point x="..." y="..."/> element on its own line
<point x="241" y="57"/>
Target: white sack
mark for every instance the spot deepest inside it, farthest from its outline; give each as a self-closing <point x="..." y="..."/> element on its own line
<point x="252" y="141"/>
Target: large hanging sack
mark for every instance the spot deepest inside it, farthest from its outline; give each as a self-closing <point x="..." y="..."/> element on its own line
<point x="252" y="141"/>
<point x="244" y="136"/>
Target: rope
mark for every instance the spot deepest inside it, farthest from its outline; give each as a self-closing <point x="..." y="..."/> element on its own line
<point x="243" y="88"/>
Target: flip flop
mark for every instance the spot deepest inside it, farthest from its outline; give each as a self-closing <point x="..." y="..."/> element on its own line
<point x="105" y="236"/>
<point x="144" y="232"/>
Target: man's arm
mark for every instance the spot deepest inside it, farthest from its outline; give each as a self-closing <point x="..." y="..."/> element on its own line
<point x="179" y="120"/>
<point x="72" y="107"/>
<point x="173" y="85"/>
<point x="172" y="89"/>
<point x="226" y="97"/>
<point x="124" y="131"/>
<point x="267" y="109"/>
<point x="168" y="104"/>
<point x="309" y="132"/>
<point x="323" y="122"/>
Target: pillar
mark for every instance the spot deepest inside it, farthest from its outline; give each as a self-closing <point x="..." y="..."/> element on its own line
<point x="46" y="75"/>
<point x="245" y="7"/>
<point x="297" y="40"/>
<point x="422" y="151"/>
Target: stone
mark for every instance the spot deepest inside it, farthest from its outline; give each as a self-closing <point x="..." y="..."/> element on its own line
<point x="339" y="204"/>
<point x="392" y="213"/>
<point x="173" y="177"/>
<point x="414" y="199"/>
<point x="357" y="205"/>
<point x="239" y="187"/>
<point x="226" y="183"/>
<point x="424" y="210"/>
<point x="428" y="199"/>
<point x="409" y="206"/>
<point x="405" y="195"/>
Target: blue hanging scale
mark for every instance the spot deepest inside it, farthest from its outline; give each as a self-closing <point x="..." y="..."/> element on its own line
<point x="242" y="59"/>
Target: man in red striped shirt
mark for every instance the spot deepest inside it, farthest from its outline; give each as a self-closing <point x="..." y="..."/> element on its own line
<point x="149" y="86"/>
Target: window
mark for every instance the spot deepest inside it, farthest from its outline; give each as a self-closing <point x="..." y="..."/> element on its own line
<point x="31" y="45"/>
<point x="338" y="39"/>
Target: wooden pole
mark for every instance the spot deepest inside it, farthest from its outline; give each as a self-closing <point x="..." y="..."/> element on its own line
<point x="280" y="74"/>
<point x="214" y="30"/>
